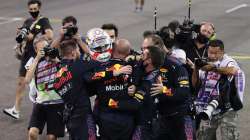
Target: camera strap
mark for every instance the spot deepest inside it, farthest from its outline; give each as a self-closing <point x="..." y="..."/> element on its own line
<point x="35" y="22"/>
<point x="19" y="48"/>
<point x="203" y="53"/>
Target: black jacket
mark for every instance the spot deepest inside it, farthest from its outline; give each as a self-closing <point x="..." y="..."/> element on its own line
<point x="176" y="97"/>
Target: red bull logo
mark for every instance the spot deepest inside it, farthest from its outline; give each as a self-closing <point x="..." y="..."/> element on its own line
<point x="115" y="67"/>
<point x="167" y="91"/>
<point x="99" y="75"/>
<point x="61" y="71"/>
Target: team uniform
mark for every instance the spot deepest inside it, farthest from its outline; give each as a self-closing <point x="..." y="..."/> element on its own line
<point x="175" y="123"/>
<point x="146" y="114"/>
<point x="70" y="84"/>
<point x="114" y="109"/>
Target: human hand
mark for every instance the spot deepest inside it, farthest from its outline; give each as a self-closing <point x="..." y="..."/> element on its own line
<point x="156" y="89"/>
<point x="123" y="70"/>
<point x="131" y="90"/>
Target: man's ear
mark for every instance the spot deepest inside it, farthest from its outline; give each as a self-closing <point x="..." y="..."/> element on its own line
<point x="150" y="61"/>
<point x="35" y="48"/>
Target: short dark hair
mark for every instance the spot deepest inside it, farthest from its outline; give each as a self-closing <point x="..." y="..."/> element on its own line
<point x="164" y="34"/>
<point x="67" y="46"/>
<point x="157" y="56"/>
<point x="217" y="43"/>
<point x="110" y="26"/>
<point x="173" y="25"/>
<point x="147" y="33"/>
<point x="69" y="19"/>
<point x="156" y="40"/>
<point x="38" y="2"/>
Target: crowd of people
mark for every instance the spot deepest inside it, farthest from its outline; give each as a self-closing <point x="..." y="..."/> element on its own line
<point x="178" y="87"/>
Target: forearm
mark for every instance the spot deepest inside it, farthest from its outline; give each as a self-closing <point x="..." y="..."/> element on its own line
<point x="83" y="46"/>
<point x="49" y="34"/>
<point x="132" y="104"/>
<point x="30" y="73"/>
<point x="195" y="78"/>
<point x="178" y="94"/>
<point x="56" y="42"/>
<point x="226" y="70"/>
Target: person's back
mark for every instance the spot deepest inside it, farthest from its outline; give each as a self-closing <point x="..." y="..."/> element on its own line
<point x="71" y="86"/>
<point x="73" y="70"/>
<point x="114" y="107"/>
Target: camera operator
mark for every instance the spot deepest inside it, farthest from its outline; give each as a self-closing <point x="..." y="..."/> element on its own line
<point x="31" y="27"/>
<point x="69" y="30"/>
<point x="209" y="103"/>
<point x="208" y="29"/>
<point x="169" y="35"/>
<point x="47" y="104"/>
<point x="197" y="48"/>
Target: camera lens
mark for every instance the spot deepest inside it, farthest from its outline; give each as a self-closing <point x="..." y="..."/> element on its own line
<point x="21" y="36"/>
<point x="208" y="111"/>
<point x="71" y="30"/>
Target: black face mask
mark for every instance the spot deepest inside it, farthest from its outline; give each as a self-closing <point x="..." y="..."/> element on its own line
<point x="34" y="14"/>
<point x="202" y="39"/>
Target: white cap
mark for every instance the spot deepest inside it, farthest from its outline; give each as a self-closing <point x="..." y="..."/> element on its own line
<point x="179" y="54"/>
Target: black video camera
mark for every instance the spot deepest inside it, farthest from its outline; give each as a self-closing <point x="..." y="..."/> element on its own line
<point x="188" y="30"/>
<point x="51" y="52"/>
<point x="200" y="62"/>
<point x="71" y="30"/>
<point x="22" y="35"/>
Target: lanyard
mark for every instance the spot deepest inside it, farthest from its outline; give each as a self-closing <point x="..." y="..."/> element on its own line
<point x="203" y="54"/>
